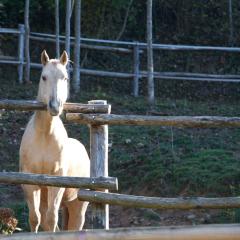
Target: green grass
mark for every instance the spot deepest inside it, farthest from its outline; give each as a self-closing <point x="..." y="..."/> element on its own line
<point x="171" y="160"/>
<point x="209" y="171"/>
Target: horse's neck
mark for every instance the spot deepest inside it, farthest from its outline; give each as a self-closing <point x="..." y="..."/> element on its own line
<point x="44" y="123"/>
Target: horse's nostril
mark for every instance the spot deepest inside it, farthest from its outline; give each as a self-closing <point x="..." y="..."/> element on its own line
<point x="53" y="107"/>
<point x="50" y="104"/>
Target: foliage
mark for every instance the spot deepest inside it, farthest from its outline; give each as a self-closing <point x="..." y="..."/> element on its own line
<point x="178" y="22"/>
<point x="21" y="213"/>
<point x="184" y="21"/>
<point x="8" y="223"/>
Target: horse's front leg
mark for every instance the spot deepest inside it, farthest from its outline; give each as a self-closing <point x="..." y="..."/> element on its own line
<point x="54" y="200"/>
<point x="33" y="195"/>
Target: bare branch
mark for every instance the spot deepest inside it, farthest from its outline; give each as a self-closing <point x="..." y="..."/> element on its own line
<point x="125" y="21"/>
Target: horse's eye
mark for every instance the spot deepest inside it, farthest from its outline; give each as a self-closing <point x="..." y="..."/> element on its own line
<point x="44" y="78"/>
<point x="65" y="79"/>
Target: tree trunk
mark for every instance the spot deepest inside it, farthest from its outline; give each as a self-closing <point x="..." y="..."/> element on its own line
<point x="27" y="30"/>
<point x="77" y="28"/>
<point x="67" y="27"/>
<point x="150" y="55"/>
<point x="57" y="28"/>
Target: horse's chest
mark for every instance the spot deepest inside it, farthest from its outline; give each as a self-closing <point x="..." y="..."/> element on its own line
<point x="46" y="157"/>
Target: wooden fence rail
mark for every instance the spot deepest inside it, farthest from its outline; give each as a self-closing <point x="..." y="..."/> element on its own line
<point x="144" y="45"/>
<point x="140" y="120"/>
<point x="59" y="181"/>
<point x="159" y="202"/>
<point x="87" y="46"/>
<point x="24" y="105"/>
<point x="9" y="30"/>
<point x="201" y="232"/>
<point x="186" y="76"/>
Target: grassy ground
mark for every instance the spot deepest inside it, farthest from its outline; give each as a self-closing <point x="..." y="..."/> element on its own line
<point x="154" y="161"/>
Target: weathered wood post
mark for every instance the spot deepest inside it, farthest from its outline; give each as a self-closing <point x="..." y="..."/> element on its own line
<point x="150" y="55"/>
<point x="136" y="62"/>
<point x="99" y="167"/>
<point x="57" y="28"/>
<point x="27" y="32"/>
<point x="20" y="52"/>
<point x="77" y="30"/>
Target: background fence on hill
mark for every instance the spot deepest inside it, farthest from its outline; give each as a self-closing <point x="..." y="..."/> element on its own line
<point x="132" y="49"/>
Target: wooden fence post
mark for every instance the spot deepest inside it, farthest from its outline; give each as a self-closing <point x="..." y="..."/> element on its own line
<point x="20" y="52"/>
<point x="136" y="62"/>
<point x="99" y="167"/>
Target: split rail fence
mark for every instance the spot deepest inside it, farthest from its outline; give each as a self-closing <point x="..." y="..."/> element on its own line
<point x="97" y="115"/>
<point x="119" y="47"/>
<point x="203" y="232"/>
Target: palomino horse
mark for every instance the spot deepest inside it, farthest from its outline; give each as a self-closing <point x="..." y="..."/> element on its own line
<point x="46" y="149"/>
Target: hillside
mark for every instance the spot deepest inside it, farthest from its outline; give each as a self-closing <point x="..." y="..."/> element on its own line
<point x="153" y="161"/>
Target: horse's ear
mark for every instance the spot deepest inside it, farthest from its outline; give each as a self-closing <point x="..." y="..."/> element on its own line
<point x="44" y="57"/>
<point x="64" y="58"/>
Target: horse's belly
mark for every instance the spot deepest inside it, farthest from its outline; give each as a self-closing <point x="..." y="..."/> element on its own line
<point x="69" y="194"/>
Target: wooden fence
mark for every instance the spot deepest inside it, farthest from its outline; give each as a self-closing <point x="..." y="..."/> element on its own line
<point x="202" y="232"/>
<point x="119" y="47"/>
<point x="97" y="115"/>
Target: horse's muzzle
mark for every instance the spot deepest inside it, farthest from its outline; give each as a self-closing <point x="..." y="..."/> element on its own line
<point x="55" y="107"/>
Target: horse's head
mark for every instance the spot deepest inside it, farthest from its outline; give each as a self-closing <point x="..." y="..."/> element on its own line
<point x="53" y="86"/>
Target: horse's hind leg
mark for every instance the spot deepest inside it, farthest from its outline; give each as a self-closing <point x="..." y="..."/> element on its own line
<point x="65" y="217"/>
<point x="76" y="210"/>
<point x="54" y="200"/>
<point x="32" y="195"/>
